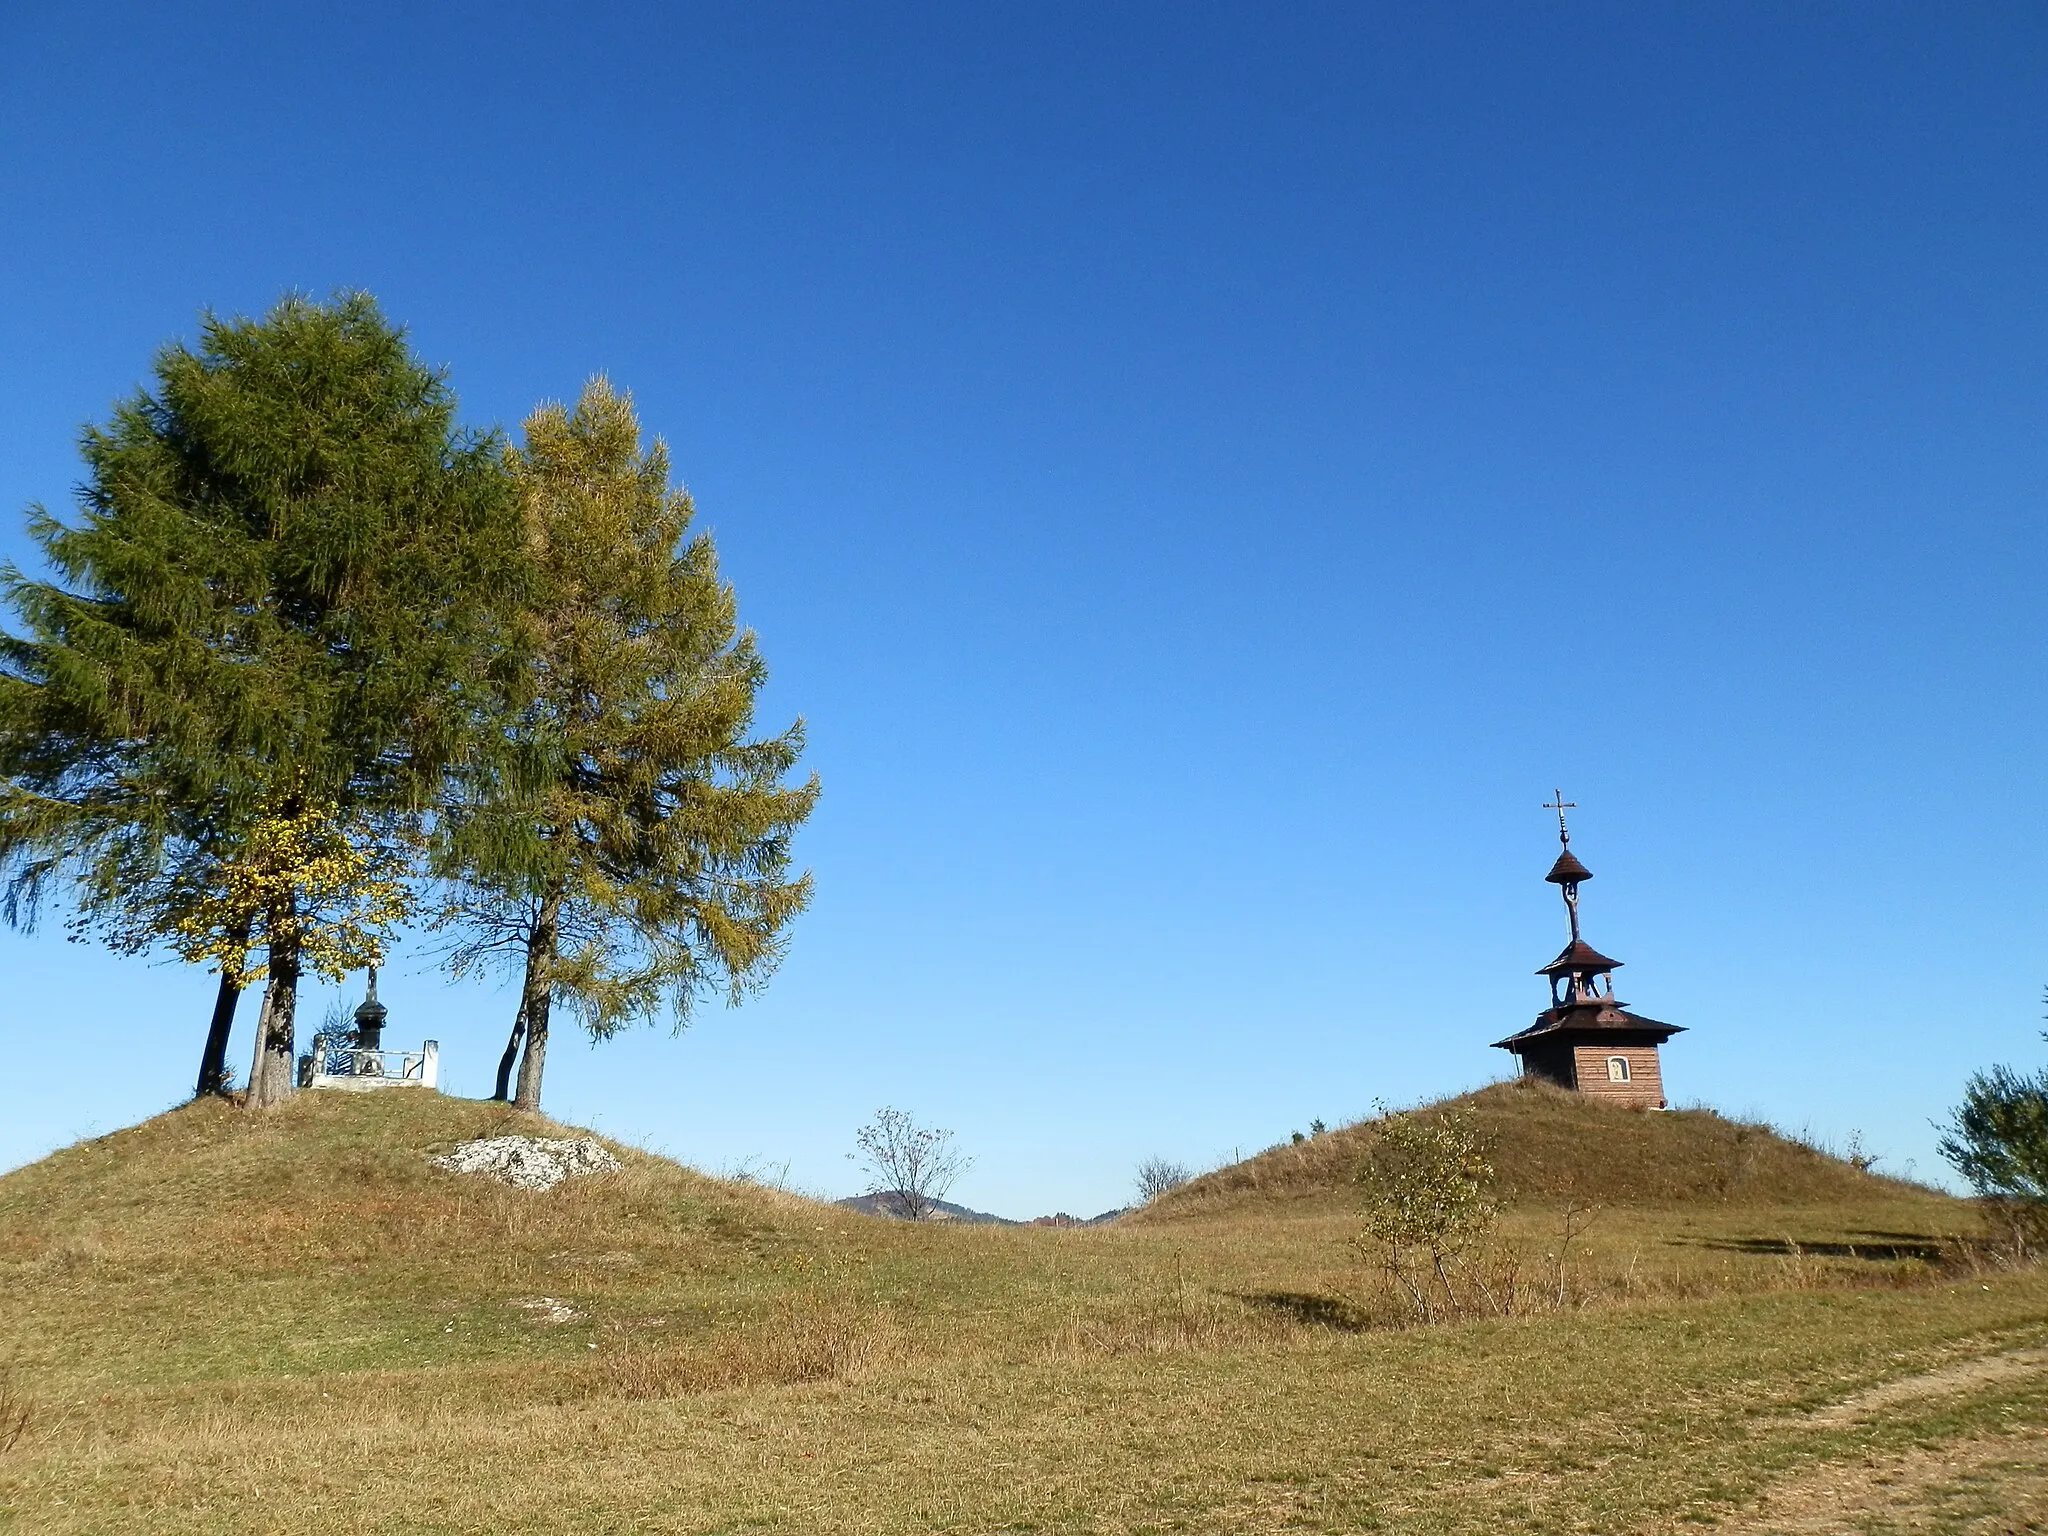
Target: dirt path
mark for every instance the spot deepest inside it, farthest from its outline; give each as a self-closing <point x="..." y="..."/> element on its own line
<point x="1960" y="1377"/>
<point x="1986" y="1486"/>
<point x="1983" y="1487"/>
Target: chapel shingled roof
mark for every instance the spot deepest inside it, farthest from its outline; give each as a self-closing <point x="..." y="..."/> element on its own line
<point x="1602" y="1017"/>
<point x="1568" y="870"/>
<point x="1579" y="956"/>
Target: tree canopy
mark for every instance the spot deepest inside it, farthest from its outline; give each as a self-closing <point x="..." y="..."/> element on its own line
<point x="626" y="845"/>
<point x="265" y="616"/>
<point x="1997" y="1139"/>
<point x="307" y="643"/>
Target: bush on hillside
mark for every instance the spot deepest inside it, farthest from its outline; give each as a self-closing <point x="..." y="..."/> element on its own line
<point x="1997" y="1139"/>
<point x="1428" y="1208"/>
<point x="1157" y="1175"/>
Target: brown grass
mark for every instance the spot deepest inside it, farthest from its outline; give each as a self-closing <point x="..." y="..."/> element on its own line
<point x="14" y="1414"/>
<point x="291" y="1322"/>
<point x="806" y="1337"/>
<point x="1550" y="1145"/>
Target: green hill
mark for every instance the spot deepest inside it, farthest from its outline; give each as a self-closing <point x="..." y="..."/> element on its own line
<point x="320" y="1235"/>
<point x="236" y="1323"/>
<point x="1547" y="1144"/>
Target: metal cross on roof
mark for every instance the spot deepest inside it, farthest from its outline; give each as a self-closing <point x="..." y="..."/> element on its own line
<point x="1561" y="805"/>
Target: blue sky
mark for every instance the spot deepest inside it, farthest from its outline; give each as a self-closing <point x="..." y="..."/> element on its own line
<point x="1205" y="473"/>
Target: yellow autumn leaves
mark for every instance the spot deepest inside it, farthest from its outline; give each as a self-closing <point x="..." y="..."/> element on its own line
<point x="303" y="879"/>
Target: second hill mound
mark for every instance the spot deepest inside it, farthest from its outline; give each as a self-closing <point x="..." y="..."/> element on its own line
<point x="1549" y="1144"/>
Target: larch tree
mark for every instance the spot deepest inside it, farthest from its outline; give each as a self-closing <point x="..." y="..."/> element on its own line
<point x="235" y="699"/>
<point x="626" y="847"/>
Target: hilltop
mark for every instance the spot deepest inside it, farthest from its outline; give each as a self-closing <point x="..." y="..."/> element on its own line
<point x="946" y="1210"/>
<point x="228" y="1322"/>
<point x="1547" y="1144"/>
<point x="941" y="1210"/>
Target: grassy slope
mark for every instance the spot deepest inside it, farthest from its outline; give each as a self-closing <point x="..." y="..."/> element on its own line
<point x="1547" y="1144"/>
<point x="235" y="1323"/>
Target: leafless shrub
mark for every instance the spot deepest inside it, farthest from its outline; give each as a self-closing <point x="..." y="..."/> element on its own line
<point x="1157" y="1175"/>
<point x="911" y="1164"/>
<point x="1573" y="1218"/>
<point x="758" y="1170"/>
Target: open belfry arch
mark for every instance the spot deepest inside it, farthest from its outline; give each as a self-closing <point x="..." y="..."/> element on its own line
<point x="1586" y="1040"/>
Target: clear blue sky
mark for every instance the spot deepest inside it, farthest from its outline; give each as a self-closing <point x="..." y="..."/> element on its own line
<point x="1205" y="473"/>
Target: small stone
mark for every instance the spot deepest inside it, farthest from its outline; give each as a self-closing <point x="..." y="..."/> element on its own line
<point x="547" y="1309"/>
<point x="529" y="1162"/>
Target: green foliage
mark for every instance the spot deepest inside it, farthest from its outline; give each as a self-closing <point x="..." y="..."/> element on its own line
<point x="299" y="604"/>
<point x="269" y="603"/>
<point x="627" y="845"/>
<point x="1428" y="1205"/>
<point x="1997" y="1139"/>
<point x="1426" y="1182"/>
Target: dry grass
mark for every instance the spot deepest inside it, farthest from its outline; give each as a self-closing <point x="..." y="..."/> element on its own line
<point x="14" y="1414"/>
<point x="242" y="1324"/>
<point x="806" y="1337"/>
<point x="1538" y="1137"/>
<point x="1986" y="1485"/>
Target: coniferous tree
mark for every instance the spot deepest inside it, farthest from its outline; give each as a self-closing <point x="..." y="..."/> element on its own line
<point x="627" y="849"/>
<point x="261" y="627"/>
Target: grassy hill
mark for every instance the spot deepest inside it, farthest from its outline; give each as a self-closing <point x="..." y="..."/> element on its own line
<point x="1548" y="1144"/>
<point x="232" y="1323"/>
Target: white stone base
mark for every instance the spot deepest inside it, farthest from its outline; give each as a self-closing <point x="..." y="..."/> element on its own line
<point x="397" y="1069"/>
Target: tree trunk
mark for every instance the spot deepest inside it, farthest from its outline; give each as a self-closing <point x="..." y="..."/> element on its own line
<point x="213" y="1061"/>
<point x="270" y="1075"/>
<point x="505" y="1062"/>
<point x="534" y="999"/>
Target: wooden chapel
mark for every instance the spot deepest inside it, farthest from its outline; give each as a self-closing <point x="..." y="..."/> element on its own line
<point x="1586" y="1040"/>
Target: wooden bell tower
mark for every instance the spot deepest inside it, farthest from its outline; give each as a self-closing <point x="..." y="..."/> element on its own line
<point x="1586" y="1040"/>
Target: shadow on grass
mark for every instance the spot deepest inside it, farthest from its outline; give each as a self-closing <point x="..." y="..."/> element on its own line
<point x="1309" y="1309"/>
<point x="1896" y="1246"/>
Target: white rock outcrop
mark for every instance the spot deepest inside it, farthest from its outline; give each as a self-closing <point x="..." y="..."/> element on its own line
<point x="547" y="1309"/>
<point x="529" y="1162"/>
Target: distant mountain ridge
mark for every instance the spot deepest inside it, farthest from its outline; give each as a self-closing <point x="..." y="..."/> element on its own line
<point x="891" y="1206"/>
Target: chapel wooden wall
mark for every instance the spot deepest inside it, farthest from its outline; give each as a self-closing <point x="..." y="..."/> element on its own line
<point x="1645" y="1085"/>
<point x="1584" y="1068"/>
